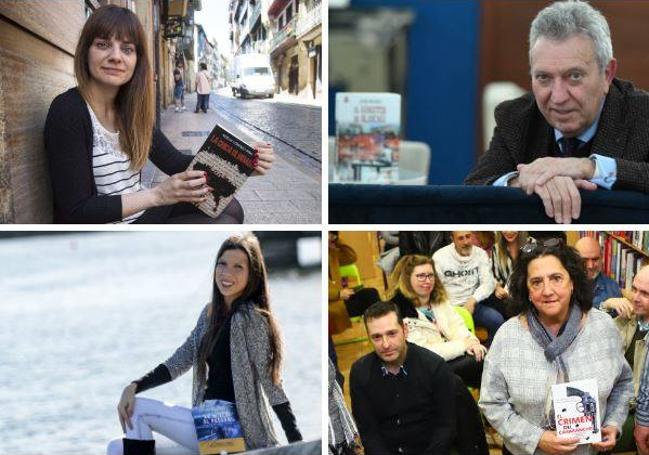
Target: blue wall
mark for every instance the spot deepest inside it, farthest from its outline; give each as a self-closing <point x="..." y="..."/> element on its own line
<point x="442" y="81"/>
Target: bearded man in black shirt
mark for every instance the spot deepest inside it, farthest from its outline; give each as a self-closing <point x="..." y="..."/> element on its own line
<point x="403" y="395"/>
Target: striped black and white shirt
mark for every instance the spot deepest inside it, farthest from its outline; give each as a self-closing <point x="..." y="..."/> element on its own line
<point x="111" y="167"/>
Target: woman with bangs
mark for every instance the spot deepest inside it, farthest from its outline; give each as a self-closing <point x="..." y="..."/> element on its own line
<point x="100" y="134"/>
<point x="432" y="322"/>
<point x="235" y="353"/>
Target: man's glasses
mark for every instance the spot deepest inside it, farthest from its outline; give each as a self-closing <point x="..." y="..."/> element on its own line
<point x="532" y="244"/>
<point x="421" y="277"/>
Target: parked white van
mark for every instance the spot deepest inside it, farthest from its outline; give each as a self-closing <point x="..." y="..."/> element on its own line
<point x="253" y="76"/>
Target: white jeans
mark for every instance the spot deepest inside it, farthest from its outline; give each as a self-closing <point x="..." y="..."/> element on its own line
<point x="173" y="422"/>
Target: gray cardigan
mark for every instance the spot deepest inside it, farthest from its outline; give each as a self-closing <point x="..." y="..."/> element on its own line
<point x="253" y="385"/>
<point x="517" y="377"/>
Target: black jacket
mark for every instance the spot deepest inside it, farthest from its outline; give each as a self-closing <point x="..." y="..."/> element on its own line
<point x="522" y="135"/>
<point x="68" y="144"/>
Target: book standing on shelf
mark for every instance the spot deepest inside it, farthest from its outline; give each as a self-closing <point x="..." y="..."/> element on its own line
<point x="367" y="137"/>
<point x="228" y="162"/>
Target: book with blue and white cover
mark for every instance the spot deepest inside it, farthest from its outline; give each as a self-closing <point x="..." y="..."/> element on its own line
<point x="217" y="428"/>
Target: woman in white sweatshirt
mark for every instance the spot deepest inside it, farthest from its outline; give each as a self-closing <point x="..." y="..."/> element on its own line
<point x="432" y="322"/>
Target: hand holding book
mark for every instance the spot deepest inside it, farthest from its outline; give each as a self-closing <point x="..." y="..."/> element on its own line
<point x="227" y="160"/>
<point x="264" y="157"/>
<point x="187" y="186"/>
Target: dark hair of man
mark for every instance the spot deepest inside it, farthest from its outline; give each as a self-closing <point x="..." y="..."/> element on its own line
<point x="380" y="309"/>
<point x="582" y="292"/>
<point x="203" y="66"/>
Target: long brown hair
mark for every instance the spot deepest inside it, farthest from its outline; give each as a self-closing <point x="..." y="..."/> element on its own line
<point x="501" y="254"/>
<point x="255" y="292"/>
<point x="403" y="272"/>
<point x="135" y="101"/>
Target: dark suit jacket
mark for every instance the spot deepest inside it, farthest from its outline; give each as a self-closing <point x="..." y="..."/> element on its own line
<point x="522" y="135"/>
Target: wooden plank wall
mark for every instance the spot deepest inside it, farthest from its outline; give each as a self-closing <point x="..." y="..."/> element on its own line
<point x="36" y="52"/>
<point x="504" y="44"/>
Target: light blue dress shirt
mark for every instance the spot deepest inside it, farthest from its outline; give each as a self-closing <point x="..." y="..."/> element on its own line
<point x="605" y="167"/>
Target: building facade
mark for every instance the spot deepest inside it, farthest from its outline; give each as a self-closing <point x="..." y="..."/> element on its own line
<point x="290" y="31"/>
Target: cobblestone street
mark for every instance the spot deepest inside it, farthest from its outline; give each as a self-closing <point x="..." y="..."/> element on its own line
<point x="291" y="192"/>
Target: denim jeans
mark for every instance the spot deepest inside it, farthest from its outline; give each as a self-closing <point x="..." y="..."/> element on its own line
<point x="202" y="102"/>
<point x="489" y="318"/>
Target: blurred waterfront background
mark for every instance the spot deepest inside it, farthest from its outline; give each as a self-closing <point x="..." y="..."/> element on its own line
<point x="85" y="314"/>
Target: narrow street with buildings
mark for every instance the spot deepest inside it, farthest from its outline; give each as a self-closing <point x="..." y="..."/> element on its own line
<point x="37" y="51"/>
<point x="290" y="192"/>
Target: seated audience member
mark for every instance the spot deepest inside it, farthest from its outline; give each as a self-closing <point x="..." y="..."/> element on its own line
<point x="505" y="251"/>
<point x="432" y="322"/>
<point x="339" y="254"/>
<point x="607" y="295"/>
<point x="580" y="128"/>
<point x="465" y="272"/>
<point x="556" y="337"/>
<point x="422" y="242"/>
<point x="355" y="301"/>
<point x="405" y="398"/>
<point x="343" y="435"/>
<point x="634" y="330"/>
<point x="484" y="240"/>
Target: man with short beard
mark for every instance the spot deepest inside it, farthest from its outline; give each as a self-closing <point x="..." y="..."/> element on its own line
<point x="402" y="394"/>
<point x="466" y="274"/>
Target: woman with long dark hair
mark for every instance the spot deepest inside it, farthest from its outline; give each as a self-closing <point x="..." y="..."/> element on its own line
<point x="100" y="134"/>
<point x="504" y="253"/>
<point x="555" y="338"/>
<point x="236" y="354"/>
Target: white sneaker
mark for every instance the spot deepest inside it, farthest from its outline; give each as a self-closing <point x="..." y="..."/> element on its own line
<point x="183" y="108"/>
<point x="177" y="109"/>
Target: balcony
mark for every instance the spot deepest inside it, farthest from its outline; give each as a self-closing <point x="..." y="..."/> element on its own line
<point x="309" y="20"/>
<point x="283" y="35"/>
<point x="254" y="14"/>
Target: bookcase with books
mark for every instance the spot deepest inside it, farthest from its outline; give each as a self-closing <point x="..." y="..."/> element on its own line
<point x="623" y="253"/>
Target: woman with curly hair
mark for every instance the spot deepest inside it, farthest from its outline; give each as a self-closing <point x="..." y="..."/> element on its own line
<point x="556" y="337"/>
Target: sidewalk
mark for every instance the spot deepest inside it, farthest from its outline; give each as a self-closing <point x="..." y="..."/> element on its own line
<point x="286" y="195"/>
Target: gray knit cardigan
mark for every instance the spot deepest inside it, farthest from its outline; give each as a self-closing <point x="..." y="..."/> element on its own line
<point x="250" y="358"/>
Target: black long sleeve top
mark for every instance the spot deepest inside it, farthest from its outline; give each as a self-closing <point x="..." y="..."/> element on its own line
<point x="412" y="412"/>
<point x="68" y="144"/>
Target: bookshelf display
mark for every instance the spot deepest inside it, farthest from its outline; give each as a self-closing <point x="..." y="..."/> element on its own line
<point x="623" y="253"/>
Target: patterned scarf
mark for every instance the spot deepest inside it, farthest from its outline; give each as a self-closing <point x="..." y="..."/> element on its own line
<point x="554" y="346"/>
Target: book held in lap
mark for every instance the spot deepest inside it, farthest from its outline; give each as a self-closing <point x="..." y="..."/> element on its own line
<point x="217" y="428"/>
<point x="228" y="161"/>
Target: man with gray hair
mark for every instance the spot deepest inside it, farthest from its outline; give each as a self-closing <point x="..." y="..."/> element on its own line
<point x="581" y="128"/>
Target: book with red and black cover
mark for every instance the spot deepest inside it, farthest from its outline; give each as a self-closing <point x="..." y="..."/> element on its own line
<point x="228" y="161"/>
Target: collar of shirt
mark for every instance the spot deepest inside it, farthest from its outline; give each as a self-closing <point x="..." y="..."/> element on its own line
<point x="385" y="372"/>
<point x="643" y="326"/>
<point x="586" y="135"/>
